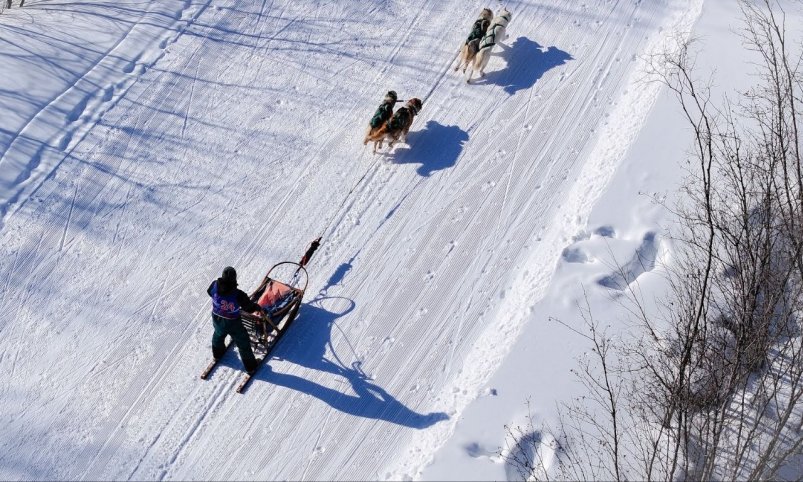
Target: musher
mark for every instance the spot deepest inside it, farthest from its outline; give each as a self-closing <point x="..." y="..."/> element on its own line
<point x="227" y="301"/>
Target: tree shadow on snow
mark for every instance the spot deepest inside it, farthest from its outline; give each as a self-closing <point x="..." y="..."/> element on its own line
<point x="436" y="147"/>
<point x="313" y="349"/>
<point x="523" y="455"/>
<point x="527" y="61"/>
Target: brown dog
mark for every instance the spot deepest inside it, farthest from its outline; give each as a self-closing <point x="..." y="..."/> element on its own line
<point x="382" y="114"/>
<point x="472" y="44"/>
<point x="397" y="126"/>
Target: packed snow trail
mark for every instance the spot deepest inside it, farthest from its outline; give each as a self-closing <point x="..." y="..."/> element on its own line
<point x="234" y="146"/>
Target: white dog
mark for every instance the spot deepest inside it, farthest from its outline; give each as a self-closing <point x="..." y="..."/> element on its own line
<point x="496" y="33"/>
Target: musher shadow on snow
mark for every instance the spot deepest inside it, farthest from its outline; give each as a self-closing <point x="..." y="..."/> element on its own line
<point x="312" y="333"/>
<point x="527" y="62"/>
<point x="339" y="274"/>
<point x="435" y="147"/>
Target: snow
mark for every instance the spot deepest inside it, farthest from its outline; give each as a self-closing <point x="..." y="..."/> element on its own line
<point x="621" y="242"/>
<point x="146" y="145"/>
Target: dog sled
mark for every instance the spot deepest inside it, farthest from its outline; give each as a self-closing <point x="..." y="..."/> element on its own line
<point x="279" y="295"/>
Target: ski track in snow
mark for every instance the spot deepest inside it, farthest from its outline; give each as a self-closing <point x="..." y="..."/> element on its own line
<point x="232" y="139"/>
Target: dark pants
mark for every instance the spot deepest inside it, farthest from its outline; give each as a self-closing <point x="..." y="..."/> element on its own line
<point x="235" y="329"/>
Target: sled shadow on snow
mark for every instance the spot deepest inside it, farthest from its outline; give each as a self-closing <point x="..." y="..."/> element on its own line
<point x="307" y="347"/>
<point x="527" y="62"/>
<point x="436" y="147"/>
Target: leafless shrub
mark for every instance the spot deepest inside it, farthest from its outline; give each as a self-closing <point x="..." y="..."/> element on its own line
<point x="711" y="387"/>
<point x="525" y="450"/>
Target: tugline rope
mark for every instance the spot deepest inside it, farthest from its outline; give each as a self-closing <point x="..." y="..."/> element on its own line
<point x="349" y="193"/>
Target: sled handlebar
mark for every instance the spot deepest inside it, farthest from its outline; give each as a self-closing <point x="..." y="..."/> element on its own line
<point x="310" y="251"/>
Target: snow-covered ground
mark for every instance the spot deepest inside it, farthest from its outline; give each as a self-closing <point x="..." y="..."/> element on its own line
<point x="146" y="145"/>
<point x="624" y="234"/>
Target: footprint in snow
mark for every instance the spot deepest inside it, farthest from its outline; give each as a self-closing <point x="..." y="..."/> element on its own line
<point x="605" y="231"/>
<point x="575" y="255"/>
<point x="643" y="261"/>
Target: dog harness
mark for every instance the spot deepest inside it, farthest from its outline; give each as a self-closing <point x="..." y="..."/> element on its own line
<point x="490" y="38"/>
<point x="382" y="114"/>
<point x="478" y="30"/>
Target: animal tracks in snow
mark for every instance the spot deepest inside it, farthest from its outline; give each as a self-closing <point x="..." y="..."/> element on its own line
<point x="613" y="262"/>
<point x="642" y="261"/>
<point x="44" y="137"/>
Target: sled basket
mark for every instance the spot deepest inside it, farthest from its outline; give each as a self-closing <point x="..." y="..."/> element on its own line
<point x="280" y="295"/>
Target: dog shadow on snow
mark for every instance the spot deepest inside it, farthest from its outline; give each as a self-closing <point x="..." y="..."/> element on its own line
<point x="435" y="147"/>
<point x="310" y="346"/>
<point x="527" y="62"/>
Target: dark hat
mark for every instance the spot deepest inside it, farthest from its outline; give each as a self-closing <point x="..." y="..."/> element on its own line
<point x="229" y="276"/>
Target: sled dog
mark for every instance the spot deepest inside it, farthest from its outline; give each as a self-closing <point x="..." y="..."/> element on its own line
<point x="497" y="32"/>
<point x="383" y="114"/>
<point x="472" y="43"/>
<point x="398" y="126"/>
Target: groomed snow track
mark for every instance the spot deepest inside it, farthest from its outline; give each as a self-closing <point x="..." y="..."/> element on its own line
<point x="232" y="141"/>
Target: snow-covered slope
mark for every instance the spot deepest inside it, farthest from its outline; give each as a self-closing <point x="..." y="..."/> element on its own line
<point x="228" y="133"/>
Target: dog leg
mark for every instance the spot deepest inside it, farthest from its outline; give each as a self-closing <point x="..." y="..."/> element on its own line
<point x="481" y="67"/>
<point x="393" y="140"/>
<point x="459" y="64"/>
<point x="368" y="135"/>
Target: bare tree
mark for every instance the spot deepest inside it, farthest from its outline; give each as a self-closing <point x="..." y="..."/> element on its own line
<point x="714" y="382"/>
